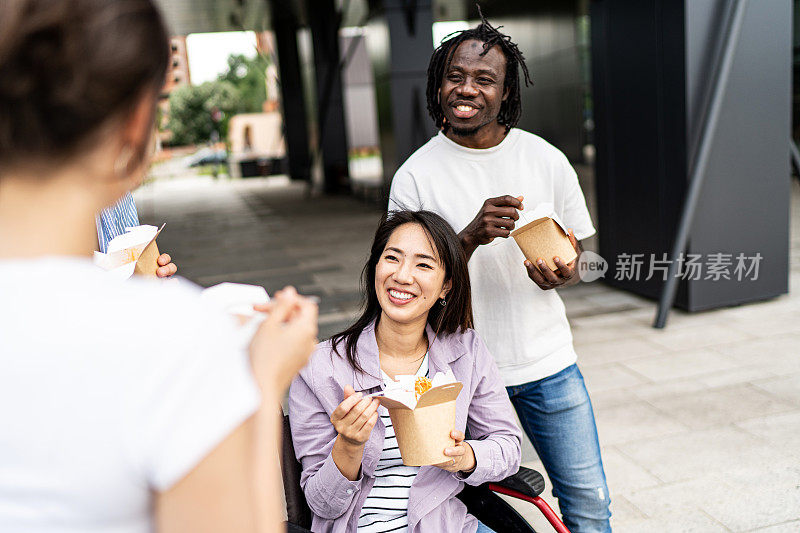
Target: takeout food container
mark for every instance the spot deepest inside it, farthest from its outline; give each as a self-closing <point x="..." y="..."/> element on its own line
<point x="424" y="431"/>
<point x="133" y="252"/>
<point x="544" y="238"/>
<point x="147" y="262"/>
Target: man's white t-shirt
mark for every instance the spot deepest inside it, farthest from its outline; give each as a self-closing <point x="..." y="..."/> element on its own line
<point x="524" y="326"/>
<point x="109" y="391"/>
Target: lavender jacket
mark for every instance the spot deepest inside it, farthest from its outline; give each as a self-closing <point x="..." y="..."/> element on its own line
<point x="482" y="406"/>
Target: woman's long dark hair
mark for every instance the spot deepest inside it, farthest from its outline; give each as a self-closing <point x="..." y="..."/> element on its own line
<point x="453" y="317"/>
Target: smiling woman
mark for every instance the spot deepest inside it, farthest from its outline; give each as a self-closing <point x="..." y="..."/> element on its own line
<point x="417" y="320"/>
<point x="412" y="250"/>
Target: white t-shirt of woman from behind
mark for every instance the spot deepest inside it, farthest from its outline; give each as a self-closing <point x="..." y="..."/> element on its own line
<point x="108" y="392"/>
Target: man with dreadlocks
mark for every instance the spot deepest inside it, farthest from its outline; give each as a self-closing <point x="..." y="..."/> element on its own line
<point x="479" y="162"/>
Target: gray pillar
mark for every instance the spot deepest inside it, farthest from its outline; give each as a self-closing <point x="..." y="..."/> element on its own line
<point x="651" y="63"/>
<point x="285" y="26"/>
<point x="401" y="44"/>
<point x="324" y="23"/>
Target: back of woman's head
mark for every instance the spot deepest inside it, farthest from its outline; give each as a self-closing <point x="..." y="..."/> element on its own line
<point x="455" y="316"/>
<point x="68" y="66"/>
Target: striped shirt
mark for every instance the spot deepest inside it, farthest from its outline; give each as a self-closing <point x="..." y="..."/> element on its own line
<point x="113" y="221"/>
<point x="386" y="506"/>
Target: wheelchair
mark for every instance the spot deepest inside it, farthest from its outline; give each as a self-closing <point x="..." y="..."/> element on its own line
<point x="482" y="502"/>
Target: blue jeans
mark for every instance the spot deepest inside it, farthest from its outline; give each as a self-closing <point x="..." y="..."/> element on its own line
<point x="483" y="529"/>
<point x="557" y="416"/>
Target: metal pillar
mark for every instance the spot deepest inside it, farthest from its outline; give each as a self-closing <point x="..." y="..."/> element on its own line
<point x="692" y="152"/>
<point x="295" y="124"/>
<point x="401" y="44"/>
<point x="702" y="148"/>
<point x="324" y="22"/>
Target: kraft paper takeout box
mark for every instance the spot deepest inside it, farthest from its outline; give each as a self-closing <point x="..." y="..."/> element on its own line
<point x="147" y="262"/>
<point x="423" y="432"/>
<point x="133" y="252"/>
<point x="540" y="233"/>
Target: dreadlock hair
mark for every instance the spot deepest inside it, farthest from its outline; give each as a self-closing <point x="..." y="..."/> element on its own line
<point x="511" y="108"/>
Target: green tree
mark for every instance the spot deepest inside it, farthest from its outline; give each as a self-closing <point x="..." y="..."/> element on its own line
<point x="248" y="75"/>
<point x="197" y="111"/>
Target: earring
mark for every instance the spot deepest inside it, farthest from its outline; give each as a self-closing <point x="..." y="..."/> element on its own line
<point x="442" y="302"/>
<point x="123" y="161"/>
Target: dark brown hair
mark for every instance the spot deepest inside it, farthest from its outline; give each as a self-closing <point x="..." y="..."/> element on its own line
<point x="453" y="317"/>
<point x="68" y="66"/>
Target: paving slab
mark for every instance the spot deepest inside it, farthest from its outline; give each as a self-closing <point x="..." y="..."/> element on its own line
<point x="621" y="471"/>
<point x="777" y="323"/>
<point x="686" y="521"/>
<point x="729" y="497"/>
<point x="624" y="514"/>
<point x="600" y="378"/>
<point x="615" y="350"/>
<point x="781" y="431"/>
<point x="716" y="407"/>
<point x="744" y="374"/>
<point x="777" y="353"/>
<point x="698" y="335"/>
<point x="691" y="454"/>
<point x="784" y="387"/>
<point x="681" y="364"/>
<point x="791" y="526"/>
<point x="634" y="421"/>
<point x="668" y="388"/>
